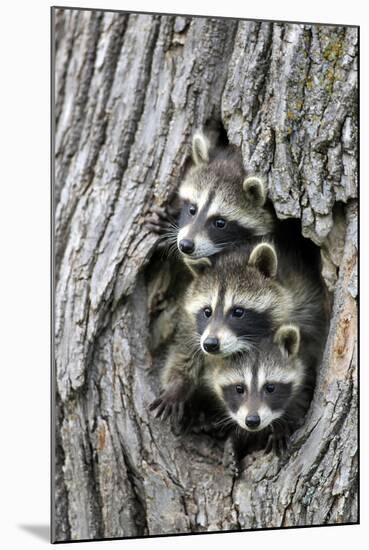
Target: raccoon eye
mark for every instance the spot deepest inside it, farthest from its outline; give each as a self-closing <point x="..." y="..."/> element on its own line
<point x="269" y="388"/>
<point x="240" y="388"/>
<point x="238" y="312"/>
<point x="219" y="223"/>
<point x="192" y="209"/>
<point x="207" y="311"/>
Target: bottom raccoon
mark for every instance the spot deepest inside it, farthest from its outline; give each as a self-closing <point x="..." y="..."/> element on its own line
<point x="264" y="395"/>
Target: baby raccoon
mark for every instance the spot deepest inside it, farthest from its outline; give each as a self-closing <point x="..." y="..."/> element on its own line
<point x="227" y="310"/>
<point x="265" y="394"/>
<point x="221" y="207"/>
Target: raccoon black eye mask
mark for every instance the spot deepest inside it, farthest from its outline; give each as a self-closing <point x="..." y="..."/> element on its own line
<point x="244" y="323"/>
<point x="275" y="395"/>
<point x="200" y="233"/>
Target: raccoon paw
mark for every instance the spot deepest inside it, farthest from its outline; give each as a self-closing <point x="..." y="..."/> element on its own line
<point x="278" y="443"/>
<point x="230" y="461"/>
<point x="167" y="405"/>
<point x="160" y="220"/>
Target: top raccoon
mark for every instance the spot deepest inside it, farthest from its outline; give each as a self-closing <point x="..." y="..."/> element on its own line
<point x="221" y="207"/>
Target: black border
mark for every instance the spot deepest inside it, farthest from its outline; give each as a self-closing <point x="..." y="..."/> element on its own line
<point x="52" y="281"/>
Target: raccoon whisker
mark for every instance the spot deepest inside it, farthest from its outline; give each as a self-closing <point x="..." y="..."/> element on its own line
<point x="161" y="238"/>
<point x="197" y="353"/>
<point x="223" y="422"/>
<point x="229" y="349"/>
<point x="194" y="347"/>
<point x="244" y="344"/>
<point x="194" y="338"/>
<point x="249" y="343"/>
<point x="177" y="252"/>
<point x="169" y="245"/>
<point x="173" y="250"/>
<point x="239" y="431"/>
<point x="174" y="225"/>
<point x="221" y="244"/>
<point x="220" y="248"/>
<point x="169" y="248"/>
<point x="170" y="237"/>
<point x="171" y="232"/>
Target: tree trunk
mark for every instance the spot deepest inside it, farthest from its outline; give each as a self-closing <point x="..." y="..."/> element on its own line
<point x="129" y="92"/>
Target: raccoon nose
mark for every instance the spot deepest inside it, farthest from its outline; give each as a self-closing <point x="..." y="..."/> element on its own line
<point x="211" y="345"/>
<point x="187" y="246"/>
<point x="252" y="420"/>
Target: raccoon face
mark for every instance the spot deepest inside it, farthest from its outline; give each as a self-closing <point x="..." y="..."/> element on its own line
<point x="256" y="389"/>
<point x="235" y="304"/>
<point x="220" y="207"/>
<point x="231" y="327"/>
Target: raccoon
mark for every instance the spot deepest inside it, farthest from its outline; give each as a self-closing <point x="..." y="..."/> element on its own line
<point x="221" y="207"/>
<point x="263" y="395"/>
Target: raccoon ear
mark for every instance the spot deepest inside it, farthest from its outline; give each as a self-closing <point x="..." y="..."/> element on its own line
<point x="255" y="190"/>
<point x="264" y="258"/>
<point x="200" y="148"/>
<point x="288" y="339"/>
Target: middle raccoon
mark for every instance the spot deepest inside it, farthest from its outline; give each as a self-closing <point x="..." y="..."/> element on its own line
<point x="233" y="305"/>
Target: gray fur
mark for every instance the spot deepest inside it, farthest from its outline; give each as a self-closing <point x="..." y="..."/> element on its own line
<point x="218" y="180"/>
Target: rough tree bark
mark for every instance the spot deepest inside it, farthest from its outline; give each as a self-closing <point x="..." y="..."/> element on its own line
<point x="129" y="91"/>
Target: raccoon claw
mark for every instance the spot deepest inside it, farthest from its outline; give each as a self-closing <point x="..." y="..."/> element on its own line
<point x="154" y="404"/>
<point x="179" y="411"/>
<point x="160" y="405"/>
<point x="167" y="412"/>
<point x="168" y="405"/>
<point x="162" y="408"/>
